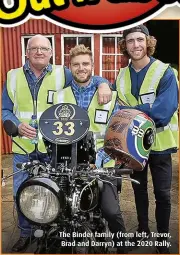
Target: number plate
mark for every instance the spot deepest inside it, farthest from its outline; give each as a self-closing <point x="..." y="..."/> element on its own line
<point x="64" y="123"/>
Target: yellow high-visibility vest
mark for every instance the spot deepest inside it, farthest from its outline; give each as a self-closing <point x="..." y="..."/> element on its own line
<point x="166" y="137"/>
<point x="20" y="94"/>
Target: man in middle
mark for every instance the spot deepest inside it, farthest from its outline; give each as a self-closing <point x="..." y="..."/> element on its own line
<point x="83" y="92"/>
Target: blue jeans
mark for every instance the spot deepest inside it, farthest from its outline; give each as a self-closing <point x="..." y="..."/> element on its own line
<point x="161" y="170"/>
<point x="25" y="226"/>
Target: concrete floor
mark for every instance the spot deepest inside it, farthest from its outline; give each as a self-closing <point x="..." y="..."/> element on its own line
<point x="10" y="232"/>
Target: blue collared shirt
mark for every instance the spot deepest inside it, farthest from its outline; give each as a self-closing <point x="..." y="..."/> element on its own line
<point x="84" y="95"/>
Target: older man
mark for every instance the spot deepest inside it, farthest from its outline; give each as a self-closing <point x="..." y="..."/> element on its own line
<point x="29" y="91"/>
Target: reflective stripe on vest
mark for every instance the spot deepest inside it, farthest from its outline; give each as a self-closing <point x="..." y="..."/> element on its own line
<point x="166" y="137"/>
<point x="176" y="75"/>
<point x="67" y="96"/>
<point x="153" y="77"/>
<point x="173" y="127"/>
<point x="23" y="105"/>
<point x="124" y="87"/>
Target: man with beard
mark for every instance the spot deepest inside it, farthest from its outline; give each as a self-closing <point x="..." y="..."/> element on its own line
<point x="153" y="85"/>
<point x="83" y="92"/>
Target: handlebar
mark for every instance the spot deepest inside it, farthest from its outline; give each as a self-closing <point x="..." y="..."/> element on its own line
<point x="33" y="166"/>
<point x="107" y="171"/>
<point x="28" y="165"/>
<point x="123" y="171"/>
<point x="110" y="172"/>
<point x="116" y="171"/>
<point x="23" y="166"/>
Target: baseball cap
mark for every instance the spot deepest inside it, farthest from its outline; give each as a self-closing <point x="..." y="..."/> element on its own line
<point x="141" y="28"/>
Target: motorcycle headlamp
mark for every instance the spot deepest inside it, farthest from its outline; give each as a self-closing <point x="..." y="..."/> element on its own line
<point x="39" y="200"/>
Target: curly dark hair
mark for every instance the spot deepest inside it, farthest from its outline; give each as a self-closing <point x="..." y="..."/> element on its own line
<point x="151" y="46"/>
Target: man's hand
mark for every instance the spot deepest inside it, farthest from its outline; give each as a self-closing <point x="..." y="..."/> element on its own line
<point x="104" y="93"/>
<point x="26" y="130"/>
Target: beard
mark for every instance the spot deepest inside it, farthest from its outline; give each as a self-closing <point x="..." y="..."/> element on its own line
<point x="137" y="58"/>
<point x="82" y="80"/>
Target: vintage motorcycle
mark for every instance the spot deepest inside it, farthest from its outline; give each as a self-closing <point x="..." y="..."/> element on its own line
<point x="60" y="198"/>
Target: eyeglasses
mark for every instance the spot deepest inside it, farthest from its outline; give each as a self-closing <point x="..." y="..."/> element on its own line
<point x="42" y="49"/>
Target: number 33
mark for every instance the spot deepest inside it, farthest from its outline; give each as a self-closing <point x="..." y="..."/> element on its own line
<point x="59" y="129"/>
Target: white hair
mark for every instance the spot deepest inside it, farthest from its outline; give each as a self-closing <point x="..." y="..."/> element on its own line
<point x="37" y="36"/>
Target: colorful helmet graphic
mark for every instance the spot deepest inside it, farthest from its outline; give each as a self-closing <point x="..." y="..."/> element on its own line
<point x="129" y="137"/>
